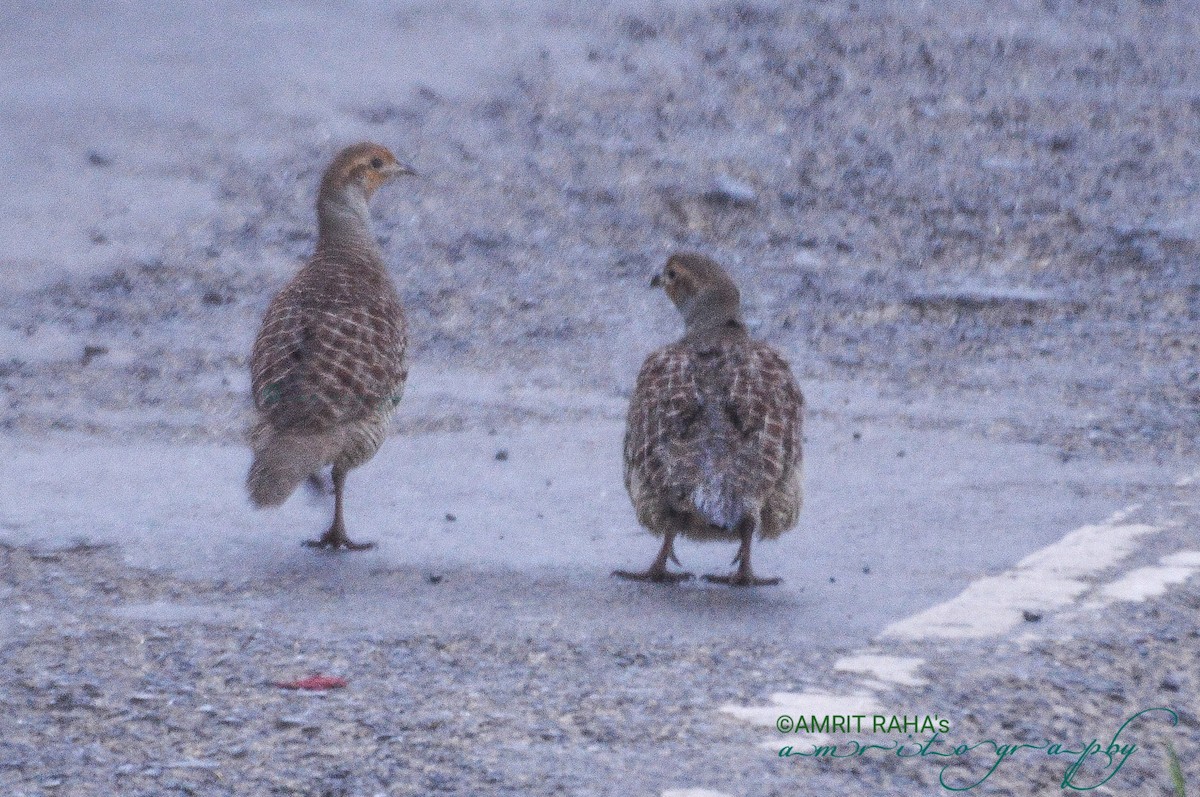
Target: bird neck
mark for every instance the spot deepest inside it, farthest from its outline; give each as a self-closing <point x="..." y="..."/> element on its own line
<point x="714" y="316"/>
<point x="343" y="219"/>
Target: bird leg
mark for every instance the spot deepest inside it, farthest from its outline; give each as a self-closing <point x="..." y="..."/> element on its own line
<point x="657" y="572"/>
<point x="317" y="485"/>
<point x="744" y="577"/>
<point x="336" y="537"/>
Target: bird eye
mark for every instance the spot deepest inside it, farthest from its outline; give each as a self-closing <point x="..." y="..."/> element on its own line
<point x="376" y="163"/>
<point x="671" y="274"/>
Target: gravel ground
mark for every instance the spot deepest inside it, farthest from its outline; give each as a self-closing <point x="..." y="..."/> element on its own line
<point x="957" y="199"/>
<point x="949" y="203"/>
<point x="101" y="699"/>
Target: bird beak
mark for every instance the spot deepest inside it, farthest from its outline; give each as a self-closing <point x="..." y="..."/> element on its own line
<point x="393" y="170"/>
<point x="656" y="281"/>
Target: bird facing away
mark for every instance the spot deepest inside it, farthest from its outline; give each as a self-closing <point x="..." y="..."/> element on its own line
<point x="328" y="368"/>
<point x="713" y="436"/>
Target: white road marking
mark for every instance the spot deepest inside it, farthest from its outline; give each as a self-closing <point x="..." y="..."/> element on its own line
<point x="804" y="704"/>
<point x="1047" y="579"/>
<point x="888" y="669"/>
<point x="1147" y="582"/>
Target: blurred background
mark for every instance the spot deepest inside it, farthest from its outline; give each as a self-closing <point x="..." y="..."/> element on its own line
<point x="930" y="197"/>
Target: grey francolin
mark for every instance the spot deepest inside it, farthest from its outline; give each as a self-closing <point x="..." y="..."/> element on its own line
<point x="328" y="368"/>
<point x="713" y="436"/>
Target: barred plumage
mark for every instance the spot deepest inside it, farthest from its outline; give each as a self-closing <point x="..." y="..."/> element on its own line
<point x="715" y="424"/>
<point x="328" y="366"/>
<point x="332" y="345"/>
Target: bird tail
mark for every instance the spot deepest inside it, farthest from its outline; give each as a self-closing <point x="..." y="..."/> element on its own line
<point x="719" y="490"/>
<point x="281" y="461"/>
<point x="716" y="500"/>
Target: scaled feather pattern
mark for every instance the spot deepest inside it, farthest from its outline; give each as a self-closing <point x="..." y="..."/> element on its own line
<point x="328" y="366"/>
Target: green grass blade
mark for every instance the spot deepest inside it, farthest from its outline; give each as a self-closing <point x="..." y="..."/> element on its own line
<point x="1176" y="771"/>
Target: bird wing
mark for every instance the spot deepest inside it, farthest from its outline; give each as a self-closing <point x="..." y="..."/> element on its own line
<point x="712" y="432"/>
<point x="664" y="406"/>
<point x="766" y="408"/>
<point x="331" y="349"/>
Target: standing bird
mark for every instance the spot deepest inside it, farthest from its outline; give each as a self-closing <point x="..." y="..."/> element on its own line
<point x="713" y="436"/>
<point x="327" y="368"/>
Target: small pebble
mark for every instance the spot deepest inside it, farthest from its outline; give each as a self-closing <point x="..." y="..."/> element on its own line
<point x="91" y="352"/>
<point x="192" y="763"/>
<point x="730" y="190"/>
<point x="145" y="697"/>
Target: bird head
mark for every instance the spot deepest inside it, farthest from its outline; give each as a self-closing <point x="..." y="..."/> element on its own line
<point x="364" y="167"/>
<point x="700" y="289"/>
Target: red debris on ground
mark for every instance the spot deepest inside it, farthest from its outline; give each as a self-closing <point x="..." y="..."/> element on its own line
<point x="314" y="682"/>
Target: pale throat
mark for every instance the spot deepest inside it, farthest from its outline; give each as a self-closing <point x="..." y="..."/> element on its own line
<point x="343" y="216"/>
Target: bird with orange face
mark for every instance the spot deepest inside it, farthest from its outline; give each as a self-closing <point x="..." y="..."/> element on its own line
<point x="328" y="365"/>
<point x="714" y="431"/>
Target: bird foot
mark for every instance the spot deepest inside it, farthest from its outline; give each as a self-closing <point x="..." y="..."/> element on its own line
<point x="741" y="579"/>
<point x="656" y="575"/>
<point x="335" y="539"/>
